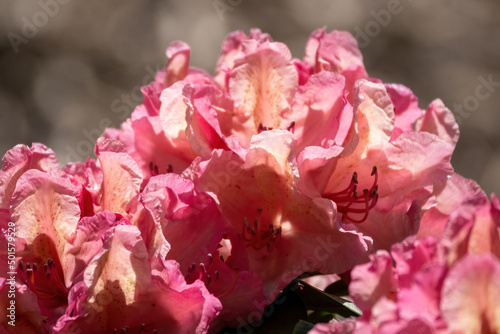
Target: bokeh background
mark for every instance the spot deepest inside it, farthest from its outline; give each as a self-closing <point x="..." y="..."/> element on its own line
<point x="67" y="66"/>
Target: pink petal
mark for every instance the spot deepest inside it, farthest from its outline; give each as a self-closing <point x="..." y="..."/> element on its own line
<point x="373" y="280"/>
<point x="449" y="194"/>
<point x="88" y="240"/>
<point x="177" y="68"/>
<point x="305" y="70"/>
<point x="173" y="114"/>
<point x="387" y="227"/>
<point x="152" y="94"/>
<point x="122" y="176"/>
<point x="413" y="255"/>
<point x="17" y="161"/>
<point x="440" y="121"/>
<point x="405" y="107"/>
<point x="334" y="327"/>
<point x="155" y="152"/>
<point x="151" y="230"/>
<point x="87" y="179"/>
<point x="122" y="261"/>
<point x="414" y="160"/>
<point x="470" y="295"/>
<point x="421" y="300"/>
<point x="315" y="164"/>
<point x="44" y="206"/>
<point x="186" y="217"/>
<point x="263" y="84"/>
<point x="210" y="119"/>
<point x="320" y="111"/>
<point x="473" y="228"/>
<point x="337" y="52"/>
<point x="230" y="48"/>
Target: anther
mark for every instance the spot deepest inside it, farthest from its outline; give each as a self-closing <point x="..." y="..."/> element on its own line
<point x="203" y="269"/>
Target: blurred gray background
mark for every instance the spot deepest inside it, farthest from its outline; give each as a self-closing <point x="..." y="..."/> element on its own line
<point x="69" y="68"/>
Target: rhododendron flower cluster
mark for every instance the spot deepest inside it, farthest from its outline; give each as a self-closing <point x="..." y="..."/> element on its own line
<point x="219" y="191"/>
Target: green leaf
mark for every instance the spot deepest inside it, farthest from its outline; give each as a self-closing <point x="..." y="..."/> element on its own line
<point x="302" y="327"/>
<point x="318" y="300"/>
<point x="320" y="316"/>
<point x="338" y="288"/>
<point x="278" y="318"/>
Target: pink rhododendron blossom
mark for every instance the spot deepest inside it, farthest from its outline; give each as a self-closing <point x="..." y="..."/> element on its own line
<point x="120" y="289"/>
<point x="436" y="286"/>
<point x="219" y="191"/>
<point x="381" y="184"/>
<point x="272" y="223"/>
<point x="188" y="217"/>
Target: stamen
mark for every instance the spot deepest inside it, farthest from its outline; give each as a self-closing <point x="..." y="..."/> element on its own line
<point x="153" y="168"/>
<point x="259" y="236"/>
<point x="348" y="202"/>
<point x="262" y="128"/>
<point x="46" y="284"/>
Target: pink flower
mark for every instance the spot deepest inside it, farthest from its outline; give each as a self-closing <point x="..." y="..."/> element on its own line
<point x="188" y="217"/>
<point x="376" y="182"/>
<point x="444" y="286"/>
<point x="273" y="224"/>
<point x="121" y="290"/>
